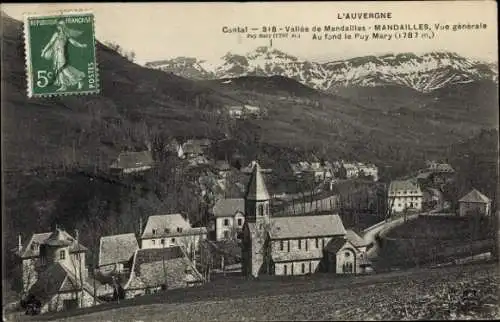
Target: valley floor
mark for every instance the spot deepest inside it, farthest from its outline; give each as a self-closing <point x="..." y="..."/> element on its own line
<point x="414" y="294"/>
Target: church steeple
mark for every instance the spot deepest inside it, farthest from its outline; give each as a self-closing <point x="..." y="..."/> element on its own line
<point x="257" y="196"/>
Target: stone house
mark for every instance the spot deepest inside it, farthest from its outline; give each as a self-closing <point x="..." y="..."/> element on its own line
<point x="115" y="252"/>
<point x="228" y="217"/>
<point x="171" y="230"/>
<point x="157" y="269"/>
<point x="404" y="195"/>
<point x="55" y="272"/>
<point x="474" y="203"/>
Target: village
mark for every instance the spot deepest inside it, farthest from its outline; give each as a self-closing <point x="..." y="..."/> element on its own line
<point x="333" y="225"/>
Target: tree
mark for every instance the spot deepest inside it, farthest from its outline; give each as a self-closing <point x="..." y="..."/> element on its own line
<point x="129" y="55"/>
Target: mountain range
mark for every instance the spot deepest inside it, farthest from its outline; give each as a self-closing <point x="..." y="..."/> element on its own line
<point x="424" y="73"/>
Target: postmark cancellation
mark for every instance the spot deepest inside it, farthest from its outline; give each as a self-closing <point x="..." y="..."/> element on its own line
<point x="60" y="54"/>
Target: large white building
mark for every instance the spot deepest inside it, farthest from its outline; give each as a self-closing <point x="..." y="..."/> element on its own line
<point x="171" y="230"/>
<point x="293" y="245"/>
<point x="404" y="195"/>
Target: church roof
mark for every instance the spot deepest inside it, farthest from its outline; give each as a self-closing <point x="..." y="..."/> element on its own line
<point x="256" y="189"/>
<point x="355" y="239"/>
<point x="306" y="226"/>
<point x="474" y="196"/>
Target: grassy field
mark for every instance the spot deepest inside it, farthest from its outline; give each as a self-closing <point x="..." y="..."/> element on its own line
<point x="414" y="294"/>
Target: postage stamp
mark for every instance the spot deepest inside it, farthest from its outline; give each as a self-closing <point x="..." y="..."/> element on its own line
<point x="60" y="54"/>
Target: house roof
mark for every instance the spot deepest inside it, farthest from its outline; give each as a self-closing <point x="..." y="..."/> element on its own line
<point x="57" y="278"/>
<point x="128" y="160"/>
<point x="474" y="196"/>
<point x="57" y="238"/>
<point x="256" y="189"/>
<point x="404" y="185"/>
<point x="167" y="225"/>
<point x="354" y="238"/>
<point x="117" y="248"/>
<point x="306" y="226"/>
<point x="228" y="207"/>
<point x="156" y="266"/>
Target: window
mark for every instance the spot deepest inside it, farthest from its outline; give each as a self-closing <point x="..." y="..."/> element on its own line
<point x="154" y="231"/>
<point x="173" y="240"/>
<point x="163" y="241"/>
<point x="300" y="243"/>
<point x="288" y="245"/>
<point x="179" y="229"/>
<point x="347" y="254"/>
<point x="303" y="268"/>
<point x="285" y="268"/>
<point x="240" y="221"/>
<point x="62" y="254"/>
<point x="317" y="243"/>
<point x="310" y="267"/>
<point x="226" y="222"/>
<point x="153" y="241"/>
<point x="281" y="245"/>
<point x="261" y="210"/>
<point x="166" y="230"/>
<point x="306" y="244"/>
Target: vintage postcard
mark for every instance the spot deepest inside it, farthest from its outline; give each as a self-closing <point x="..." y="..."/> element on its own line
<point x="60" y="54"/>
<point x="253" y="161"/>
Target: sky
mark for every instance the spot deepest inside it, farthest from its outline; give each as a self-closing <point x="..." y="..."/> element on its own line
<point x="156" y="31"/>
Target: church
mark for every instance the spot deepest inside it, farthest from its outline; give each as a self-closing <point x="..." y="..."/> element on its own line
<point x="295" y="244"/>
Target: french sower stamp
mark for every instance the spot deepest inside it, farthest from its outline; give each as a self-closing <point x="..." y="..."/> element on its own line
<point x="60" y="54"/>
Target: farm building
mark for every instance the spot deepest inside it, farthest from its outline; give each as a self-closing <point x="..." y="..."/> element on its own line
<point x="474" y="203"/>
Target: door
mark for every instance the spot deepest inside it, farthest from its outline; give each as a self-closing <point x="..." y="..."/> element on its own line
<point x="70" y="304"/>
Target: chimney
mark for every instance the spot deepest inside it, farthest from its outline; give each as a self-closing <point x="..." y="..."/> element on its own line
<point x="76" y="235"/>
<point x="20" y="243"/>
<point x="140" y="226"/>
